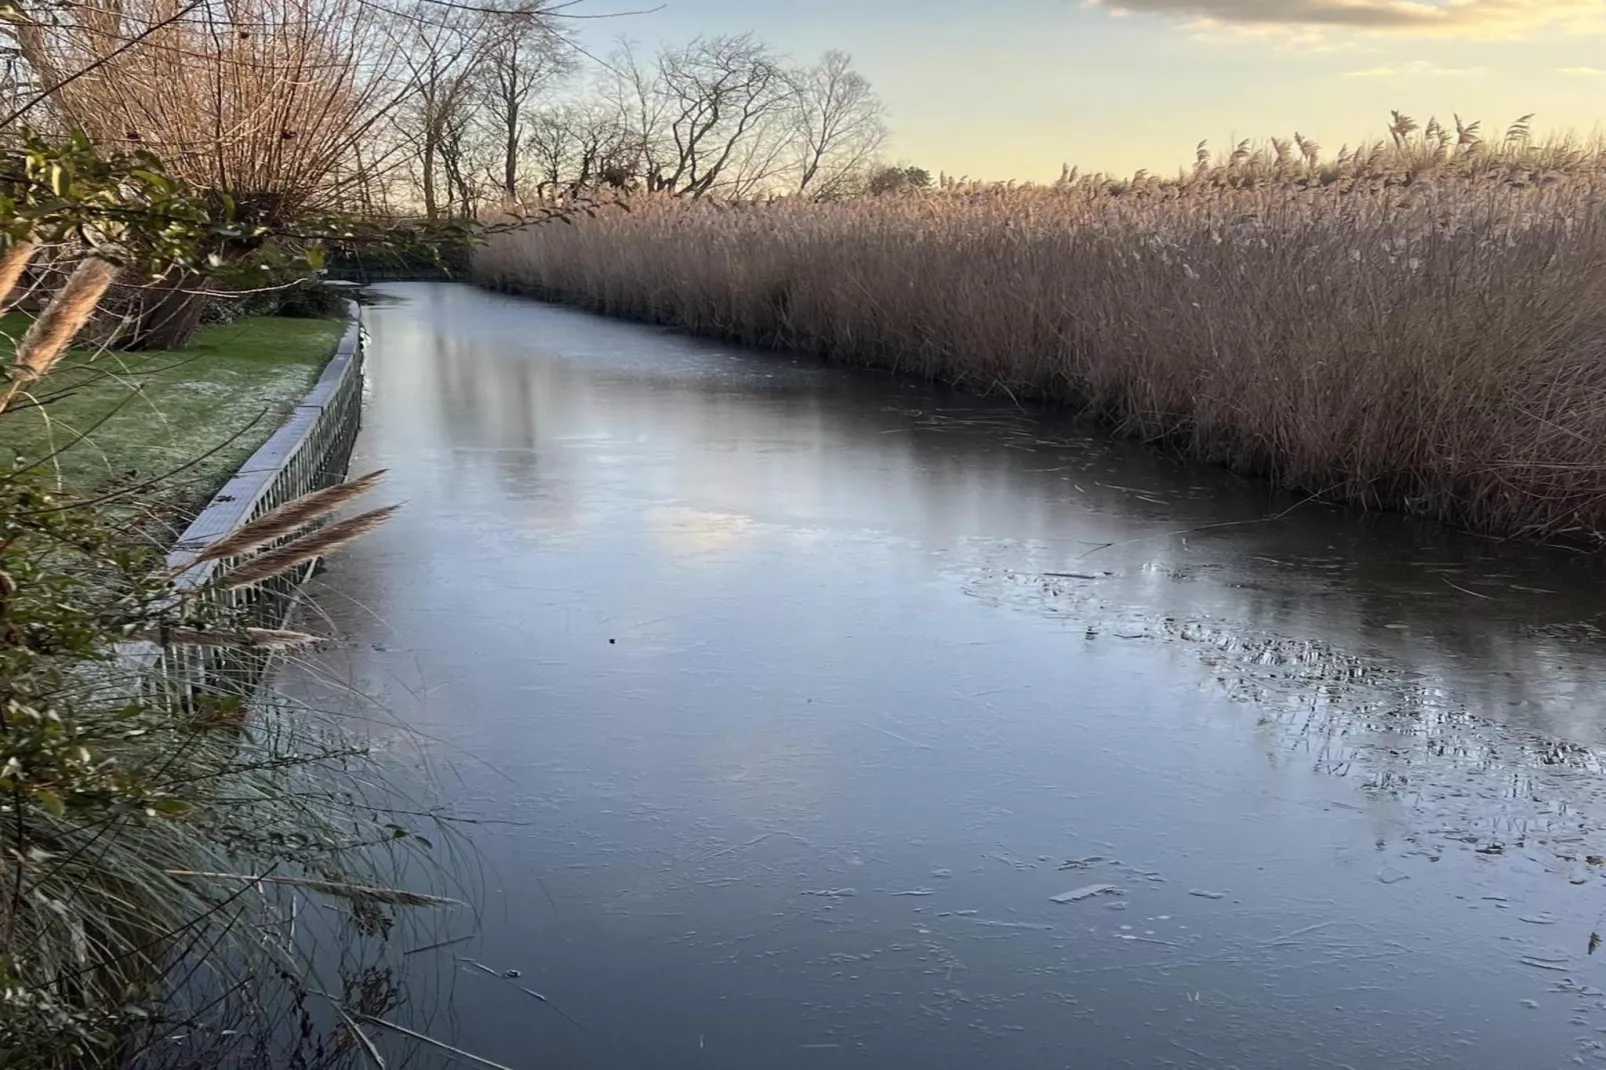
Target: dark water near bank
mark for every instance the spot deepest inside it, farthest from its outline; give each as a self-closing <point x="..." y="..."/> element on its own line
<point x="788" y="728"/>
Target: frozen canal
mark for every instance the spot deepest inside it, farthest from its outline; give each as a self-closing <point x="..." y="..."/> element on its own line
<point x="799" y="694"/>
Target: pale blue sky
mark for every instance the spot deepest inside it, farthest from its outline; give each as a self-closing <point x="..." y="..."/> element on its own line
<point x="1012" y="88"/>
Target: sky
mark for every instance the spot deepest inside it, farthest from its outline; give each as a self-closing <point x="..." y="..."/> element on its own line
<point x="1013" y="89"/>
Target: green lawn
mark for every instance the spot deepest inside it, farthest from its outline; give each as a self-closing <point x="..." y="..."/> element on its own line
<point x="118" y="419"/>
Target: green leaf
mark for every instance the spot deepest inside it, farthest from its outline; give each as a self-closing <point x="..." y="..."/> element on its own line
<point x="50" y="802"/>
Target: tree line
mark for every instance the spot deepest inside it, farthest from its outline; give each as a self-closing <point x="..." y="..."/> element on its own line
<point x="435" y="108"/>
<point x="508" y="108"/>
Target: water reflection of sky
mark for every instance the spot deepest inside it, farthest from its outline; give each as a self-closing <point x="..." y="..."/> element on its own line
<point x="732" y="630"/>
<point x="1425" y="636"/>
<point x="1514" y="630"/>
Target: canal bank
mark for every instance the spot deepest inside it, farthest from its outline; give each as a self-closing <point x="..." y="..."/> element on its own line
<point x="789" y="698"/>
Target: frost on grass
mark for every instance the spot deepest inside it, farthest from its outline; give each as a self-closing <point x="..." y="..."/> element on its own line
<point x="183" y="420"/>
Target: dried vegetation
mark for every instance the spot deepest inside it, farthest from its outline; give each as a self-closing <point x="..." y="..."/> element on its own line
<point x="1418" y="323"/>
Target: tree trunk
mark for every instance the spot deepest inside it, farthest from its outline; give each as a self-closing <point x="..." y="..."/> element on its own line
<point x="431" y="212"/>
<point x="162" y="315"/>
<point x="510" y="160"/>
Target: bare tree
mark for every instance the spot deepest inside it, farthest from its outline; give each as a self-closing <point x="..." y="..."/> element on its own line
<point x="453" y="134"/>
<point x="263" y="100"/>
<point x="440" y="60"/>
<point x="551" y="147"/>
<point x="841" y="125"/>
<point x="260" y="102"/>
<point x="579" y="146"/>
<point x="529" y="52"/>
<point x="720" y="98"/>
<point x="632" y="94"/>
<point x="725" y="115"/>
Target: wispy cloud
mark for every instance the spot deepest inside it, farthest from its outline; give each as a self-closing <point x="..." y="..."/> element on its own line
<point x="1454" y="18"/>
<point x="1306" y="40"/>
<point x="1416" y="69"/>
<point x="1583" y="72"/>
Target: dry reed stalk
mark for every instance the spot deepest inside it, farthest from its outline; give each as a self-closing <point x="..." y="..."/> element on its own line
<point x="457" y="1053"/>
<point x="362" y="1039"/>
<point x="315" y="544"/>
<point x="354" y="892"/>
<point x="289" y="517"/>
<point x="48" y="336"/>
<point x="258" y="638"/>
<point x="12" y="265"/>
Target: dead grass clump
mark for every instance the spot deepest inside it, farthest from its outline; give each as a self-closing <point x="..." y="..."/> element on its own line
<point x="1418" y="324"/>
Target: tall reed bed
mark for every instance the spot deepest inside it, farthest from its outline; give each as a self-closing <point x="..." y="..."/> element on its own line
<point x="1419" y="324"/>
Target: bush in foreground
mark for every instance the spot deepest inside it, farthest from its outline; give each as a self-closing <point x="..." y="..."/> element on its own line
<point x="160" y="840"/>
<point x="1419" y="324"/>
<point x="176" y="845"/>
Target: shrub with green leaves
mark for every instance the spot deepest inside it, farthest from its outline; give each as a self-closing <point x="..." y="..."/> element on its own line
<point x="156" y="841"/>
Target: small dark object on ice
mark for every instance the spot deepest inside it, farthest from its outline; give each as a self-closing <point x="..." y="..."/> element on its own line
<point x="1492" y="849"/>
<point x="512" y="973"/>
<point x="1594" y="942"/>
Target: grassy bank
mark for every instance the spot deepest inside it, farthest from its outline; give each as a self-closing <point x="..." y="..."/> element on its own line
<point x="1419" y="326"/>
<point x="193" y="416"/>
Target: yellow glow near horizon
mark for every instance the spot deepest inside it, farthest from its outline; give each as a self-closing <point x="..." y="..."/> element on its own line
<point x="1015" y="88"/>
